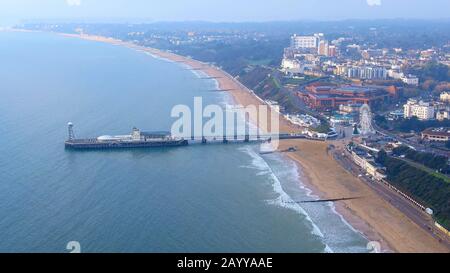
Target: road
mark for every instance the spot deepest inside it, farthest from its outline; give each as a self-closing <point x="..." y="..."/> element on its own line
<point x="405" y="206"/>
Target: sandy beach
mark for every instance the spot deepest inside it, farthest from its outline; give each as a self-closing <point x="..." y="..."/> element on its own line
<point x="376" y="218"/>
<point x="372" y="215"/>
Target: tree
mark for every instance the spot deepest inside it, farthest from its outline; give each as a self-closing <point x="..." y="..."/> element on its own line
<point x="447" y="144"/>
<point x="425" y="187"/>
<point x="429" y="85"/>
<point x="433" y="71"/>
<point x="381" y="157"/>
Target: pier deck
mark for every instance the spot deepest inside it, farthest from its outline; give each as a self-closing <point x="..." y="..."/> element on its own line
<point x="95" y="144"/>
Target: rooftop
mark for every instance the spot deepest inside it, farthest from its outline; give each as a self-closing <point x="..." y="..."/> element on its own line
<point x="355" y="89"/>
<point x="443" y="131"/>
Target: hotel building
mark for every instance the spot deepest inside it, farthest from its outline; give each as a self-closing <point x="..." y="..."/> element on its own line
<point x="312" y="42"/>
<point x="421" y="110"/>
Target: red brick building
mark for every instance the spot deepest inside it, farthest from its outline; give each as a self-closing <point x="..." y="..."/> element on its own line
<point x="329" y="97"/>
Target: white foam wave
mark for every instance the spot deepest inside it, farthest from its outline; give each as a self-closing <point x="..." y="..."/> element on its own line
<point x="333" y="208"/>
<point x="283" y="199"/>
<point x="156" y="56"/>
<point x="338" y="236"/>
<point x="331" y="205"/>
<point x="198" y="73"/>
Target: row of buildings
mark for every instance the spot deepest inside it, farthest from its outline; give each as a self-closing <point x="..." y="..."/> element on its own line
<point x="374" y="72"/>
<point x="315" y="44"/>
<point x="314" y="55"/>
<point x="307" y="54"/>
<point x="424" y="110"/>
<point x="367" y="162"/>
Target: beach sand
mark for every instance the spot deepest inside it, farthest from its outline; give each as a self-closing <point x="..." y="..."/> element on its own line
<point x="376" y="218"/>
<point x="372" y="215"/>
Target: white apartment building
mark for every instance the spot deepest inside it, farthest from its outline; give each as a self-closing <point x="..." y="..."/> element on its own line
<point x="445" y="97"/>
<point x="442" y="115"/>
<point x="395" y="74"/>
<point x="367" y="72"/>
<point x="292" y="66"/>
<point x="306" y="41"/>
<point x="411" y="80"/>
<point x="408" y="79"/>
<point x="421" y="110"/>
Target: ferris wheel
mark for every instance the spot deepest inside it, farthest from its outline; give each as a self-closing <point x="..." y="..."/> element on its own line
<point x="365" y="120"/>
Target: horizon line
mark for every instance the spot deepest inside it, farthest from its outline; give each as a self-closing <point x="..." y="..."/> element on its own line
<point x="152" y="21"/>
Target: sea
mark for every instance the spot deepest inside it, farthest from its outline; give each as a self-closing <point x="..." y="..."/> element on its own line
<point x="201" y="198"/>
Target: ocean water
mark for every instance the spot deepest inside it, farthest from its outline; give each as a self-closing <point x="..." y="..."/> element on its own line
<point x="218" y="198"/>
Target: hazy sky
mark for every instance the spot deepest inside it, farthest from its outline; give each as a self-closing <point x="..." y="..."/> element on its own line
<point x="223" y="10"/>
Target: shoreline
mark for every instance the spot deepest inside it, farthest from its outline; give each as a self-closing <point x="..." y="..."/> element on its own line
<point x="347" y="216"/>
<point x="374" y="217"/>
<point x="388" y="227"/>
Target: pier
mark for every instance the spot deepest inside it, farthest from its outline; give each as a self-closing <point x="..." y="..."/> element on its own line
<point x="243" y="138"/>
<point x="138" y="139"/>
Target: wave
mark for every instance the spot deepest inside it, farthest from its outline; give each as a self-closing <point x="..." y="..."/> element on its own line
<point x="156" y="56"/>
<point x="198" y="73"/>
<point x="283" y="199"/>
<point x="335" y="232"/>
